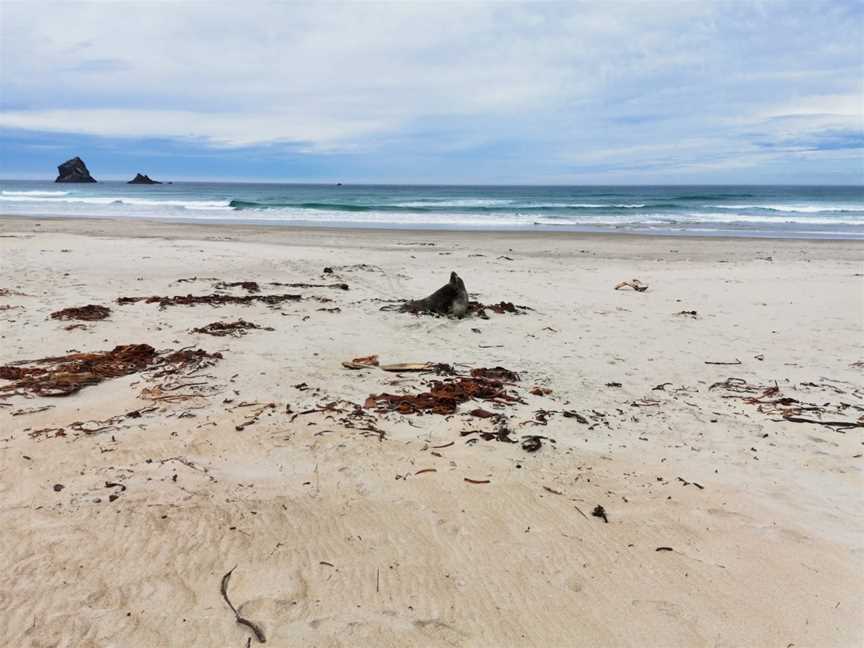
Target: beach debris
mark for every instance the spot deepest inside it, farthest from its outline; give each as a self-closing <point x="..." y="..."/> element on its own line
<point x="538" y="390"/>
<point x="210" y="300"/>
<point x="223" y="588"/>
<point x="234" y="329"/>
<point x="692" y="314"/>
<point x="362" y="363"/>
<point x="613" y="384"/>
<point x="253" y="418"/>
<point x="248" y="286"/>
<point x="711" y="362"/>
<point x="424" y="367"/>
<point x="476" y="481"/>
<point x="30" y="410"/>
<point x="532" y="443"/>
<point x="8" y="292"/>
<point x="688" y="483"/>
<point x="600" y="512"/>
<point x="90" y="313"/>
<point x="479" y="309"/>
<point x="443" y="397"/>
<point x="635" y="284"/>
<point x="425" y="470"/>
<point x="58" y="487"/>
<point x="574" y="414"/>
<point x="65" y="375"/>
<point x="664" y="549"/>
<point x="335" y="286"/>
<point x="771" y="401"/>
<point x="495" y="373"/>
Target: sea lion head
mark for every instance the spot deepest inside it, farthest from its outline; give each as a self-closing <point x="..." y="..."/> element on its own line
<point x="459" y="305"/>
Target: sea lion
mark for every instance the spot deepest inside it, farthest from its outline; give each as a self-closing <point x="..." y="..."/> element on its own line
<point x="449" y="299"/>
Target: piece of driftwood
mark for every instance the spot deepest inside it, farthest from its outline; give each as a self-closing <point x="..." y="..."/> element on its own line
<point x="259" y="633"/>
<point x="362" y="363"/>
<point x="635" y="284"/>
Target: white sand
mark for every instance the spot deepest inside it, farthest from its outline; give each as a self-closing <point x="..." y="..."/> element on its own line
<point x="768" y="553"/>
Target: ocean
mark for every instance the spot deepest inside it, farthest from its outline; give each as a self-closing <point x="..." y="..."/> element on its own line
<point x="829" y="212"/>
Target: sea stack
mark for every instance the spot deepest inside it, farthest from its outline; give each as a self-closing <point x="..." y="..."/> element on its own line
<point x="143" y="179"/>
<point x="74" y="170"/>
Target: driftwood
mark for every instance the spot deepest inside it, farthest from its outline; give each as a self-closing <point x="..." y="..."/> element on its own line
<point x="635" y="284"/>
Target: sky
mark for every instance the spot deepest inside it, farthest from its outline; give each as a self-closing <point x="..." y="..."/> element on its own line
<point x="601" y="92"/>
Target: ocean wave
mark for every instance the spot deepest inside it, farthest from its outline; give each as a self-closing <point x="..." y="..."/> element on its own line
<point x="450" y="206"/>
<point x="112" y="200"/>
<point x="33" y="193"/>
<point x="801" y="209"/>
<point x="717" y="196"/>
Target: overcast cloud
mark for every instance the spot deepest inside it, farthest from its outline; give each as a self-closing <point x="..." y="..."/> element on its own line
<point x="758" y="91"/>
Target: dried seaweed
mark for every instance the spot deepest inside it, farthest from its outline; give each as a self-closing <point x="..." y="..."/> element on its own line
<point x="234" y="329"/>
<point x="259" y="633"/>
<point x="771" y="401"/>
<point x="89" y="313"/>
<point x="248" y="286"/>
<point x="211" y="300"/>
<point x="443" y="397"/>
<point x="335" y="286"/>
<point x="65" y="375"/>
<point x="495" y="373"/>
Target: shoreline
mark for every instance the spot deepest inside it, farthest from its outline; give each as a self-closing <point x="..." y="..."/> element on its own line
<point x="140" y="227"/>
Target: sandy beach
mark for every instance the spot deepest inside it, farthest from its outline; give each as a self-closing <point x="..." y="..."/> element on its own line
<point x="711" y="418"/>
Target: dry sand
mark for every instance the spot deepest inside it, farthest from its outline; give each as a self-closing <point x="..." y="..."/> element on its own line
<point x="338" y="541"/>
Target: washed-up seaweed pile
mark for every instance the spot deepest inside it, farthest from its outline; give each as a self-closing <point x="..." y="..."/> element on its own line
<point x="445" y="396"/>
<point x="234" y="329"/>
<point x="89" y="313"/>
<point x="475" y="308"/>
<point x="65" y="375"/>
<point x="210" y="300"/>
<point x="770" y="400"/>
<point x="478" y="309"/>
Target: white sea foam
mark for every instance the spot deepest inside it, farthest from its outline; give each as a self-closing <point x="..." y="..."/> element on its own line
<point x="112" y="200"/>
<point x="466" y="202"/>
<point x="33" y="193"/>
<point x="804" y="209"/>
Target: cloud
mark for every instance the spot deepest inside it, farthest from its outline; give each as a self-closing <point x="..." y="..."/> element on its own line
<point x="557" y="84"/>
